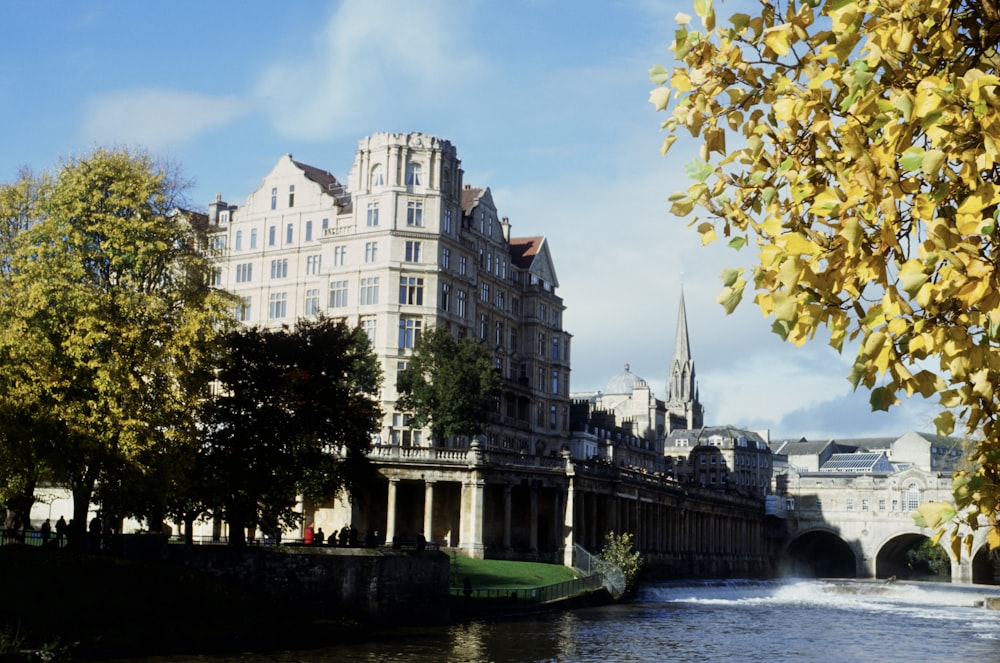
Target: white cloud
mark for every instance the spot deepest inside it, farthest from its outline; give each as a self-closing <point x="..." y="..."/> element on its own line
<point x="156" y="118"/>
<point x="371" y="60"/>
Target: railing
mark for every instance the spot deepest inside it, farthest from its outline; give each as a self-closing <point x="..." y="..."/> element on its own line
<point x="30" y="538"/>
<point x="610" y="574"/>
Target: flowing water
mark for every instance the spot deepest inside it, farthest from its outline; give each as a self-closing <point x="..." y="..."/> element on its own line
<point x="814" y="621"/>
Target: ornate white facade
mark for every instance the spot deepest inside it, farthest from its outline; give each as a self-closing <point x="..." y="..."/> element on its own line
<point x="401" y="247"/>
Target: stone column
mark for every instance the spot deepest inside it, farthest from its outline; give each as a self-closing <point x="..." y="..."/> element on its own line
<point x="473" y="490"/>
<point x="429" y="510"/>
<point x="507" y="508"/>
<point x="569" y="538"/>
<point x="533" y="518"/>
<point x="390" y="511"/>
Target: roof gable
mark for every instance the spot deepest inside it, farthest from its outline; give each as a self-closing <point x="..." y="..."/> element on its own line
<point x="532" y="254"/>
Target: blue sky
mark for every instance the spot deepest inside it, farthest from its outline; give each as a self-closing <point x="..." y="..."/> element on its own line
<point x="545" y="101"/>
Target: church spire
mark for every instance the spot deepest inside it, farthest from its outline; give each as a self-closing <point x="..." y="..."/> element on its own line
<point x="682" y="344"/>
<point x="683" y="408"/>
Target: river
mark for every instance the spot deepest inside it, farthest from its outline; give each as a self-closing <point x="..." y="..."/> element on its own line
<point x="814" y="621"/>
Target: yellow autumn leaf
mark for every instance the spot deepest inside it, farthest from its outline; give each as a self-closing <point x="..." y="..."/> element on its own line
<point x="776" y="39"/>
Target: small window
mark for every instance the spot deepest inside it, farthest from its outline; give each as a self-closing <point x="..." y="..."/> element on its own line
<point x="274" y="198"/>
<point x="291" y="195"/>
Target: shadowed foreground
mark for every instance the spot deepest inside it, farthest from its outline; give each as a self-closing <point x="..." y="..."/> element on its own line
<point x="97" y="607"/>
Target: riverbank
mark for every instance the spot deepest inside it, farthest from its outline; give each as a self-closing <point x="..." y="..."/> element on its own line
<point x="57" y="604"/>
<point x="61" y="604"/>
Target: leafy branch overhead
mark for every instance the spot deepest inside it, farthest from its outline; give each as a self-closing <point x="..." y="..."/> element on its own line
<point x="855" y="144"/>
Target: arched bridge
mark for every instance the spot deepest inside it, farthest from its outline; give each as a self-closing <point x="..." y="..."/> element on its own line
<point x="862" y="527"/>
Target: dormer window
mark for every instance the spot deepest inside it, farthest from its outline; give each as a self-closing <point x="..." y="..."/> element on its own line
<point x="413" y="176"/>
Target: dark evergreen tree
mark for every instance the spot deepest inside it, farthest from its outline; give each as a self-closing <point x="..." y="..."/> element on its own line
<point x="450" y="385"/>
<point x="295" y="415"/>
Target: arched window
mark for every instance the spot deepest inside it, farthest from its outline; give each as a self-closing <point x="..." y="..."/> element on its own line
<point x="377" y="178"/>
<point x="413" y="174"/>
<point x="912" y="497"/>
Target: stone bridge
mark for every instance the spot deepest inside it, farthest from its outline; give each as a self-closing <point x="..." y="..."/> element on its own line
<point x="861" y="526"/>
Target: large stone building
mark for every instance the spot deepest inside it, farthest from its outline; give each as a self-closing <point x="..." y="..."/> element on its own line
<point x="401" y="246"/>
<point x="626" y="415"/>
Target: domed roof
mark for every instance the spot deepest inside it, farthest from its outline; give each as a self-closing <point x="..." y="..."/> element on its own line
<point x="624" y="383"/>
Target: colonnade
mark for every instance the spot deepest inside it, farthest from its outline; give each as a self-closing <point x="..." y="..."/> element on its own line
<point x="540" y="513"/>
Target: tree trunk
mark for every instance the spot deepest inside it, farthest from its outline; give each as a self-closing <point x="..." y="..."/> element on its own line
<point x="83" y="491"/>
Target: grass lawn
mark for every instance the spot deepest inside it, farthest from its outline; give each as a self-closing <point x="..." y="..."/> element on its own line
<point x="500" y="574"/>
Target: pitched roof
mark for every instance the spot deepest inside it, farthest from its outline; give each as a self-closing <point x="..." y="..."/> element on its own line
<point x="470" y="196"/>
<point x="857" y="462"/>
<point x="328" y="183"/>
<point x="523" y="250"/>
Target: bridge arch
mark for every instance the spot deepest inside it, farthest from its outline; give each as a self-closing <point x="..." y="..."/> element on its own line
<point x="820" y="553"/>
<point x="986" y="566"/>
<point x="893" y="559"/>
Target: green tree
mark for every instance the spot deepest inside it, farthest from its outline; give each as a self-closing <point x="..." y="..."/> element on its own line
<point x="855" y="144"/>
<point x="450" y="385"/>
<point x="107" y="323"/>
<point x="295" y="416"/>
<point x="620" y="556"/>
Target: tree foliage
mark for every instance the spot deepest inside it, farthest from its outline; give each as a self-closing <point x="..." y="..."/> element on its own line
<point x="449" y="384"/>
<point x="856" y="144"/>
<point x="295" y="416"/>
<point x="619" y="553"/>
<point x="106" y="322"/>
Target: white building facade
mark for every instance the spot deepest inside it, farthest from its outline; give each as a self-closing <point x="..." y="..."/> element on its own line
<point x="401" y="247"/>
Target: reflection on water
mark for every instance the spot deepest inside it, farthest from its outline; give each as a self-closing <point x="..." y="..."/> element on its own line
<point x="812" y="621"/>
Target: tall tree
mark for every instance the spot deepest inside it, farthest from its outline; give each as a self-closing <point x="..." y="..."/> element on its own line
<point x="859" y="150"/>
<point x="107" y="321"/>
<point x="295" y="416"/>
<point x="25" y="429"/>
<point x="450" y="385"/>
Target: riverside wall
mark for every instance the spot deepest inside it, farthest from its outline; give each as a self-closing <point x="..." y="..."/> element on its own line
<point x="371" y="586"/>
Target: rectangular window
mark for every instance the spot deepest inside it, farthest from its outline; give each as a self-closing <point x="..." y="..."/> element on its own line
<point x="413" y="252"/>
<point x="309" y="231"/>
<point x="274" y="197"/>
<point x="338" y="294"/>
<point x="555" y="386"/>
<point x="372" y="214"/>
<point x="501" y="300"/>
<point x="215" y="277"/>
<point x="339" y="255"/>
<point x="484" y="292"/>
<point x="409" y="333"/>
<point x="312" y="301"/>
<point x="272" y="235"/>
<point x="446" y="222"/>
<point x="288" y="233"/>
<point x="483" y="324"/>
<point x="324" y="225"/>
<point x="850" y="504"/>
<point x="369" y="291"/>
<point x="371" y="251"/>
<point x="244" y="272"/>
<point x="414" y="213"/>
<point x="279" y="268"/>
<point x="864" y="505"/>
<point x="243" y="309"/>
<point x="314" y="264"/>
<point x="253" y="238"/>
<point x="541" y="344"/>
<point x="881" y="505"/>
<point x="446" y="258"/>
<point x="463" y="265"/>
<point x="555" y="347"/>
<point x="513" y="339"/>
<point x="239" y="240"/>
<point x="445" y="296"/>
<point x="498" y="334"/>
<point x="291" y="195"/>
<point x="462" y="303"/>
<point x="217" y="243"/>
<point x="368" y="326"/>
<point x="277" y="305"/>
<point x="411" y="290"/>
<point x="552" y="417"/>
